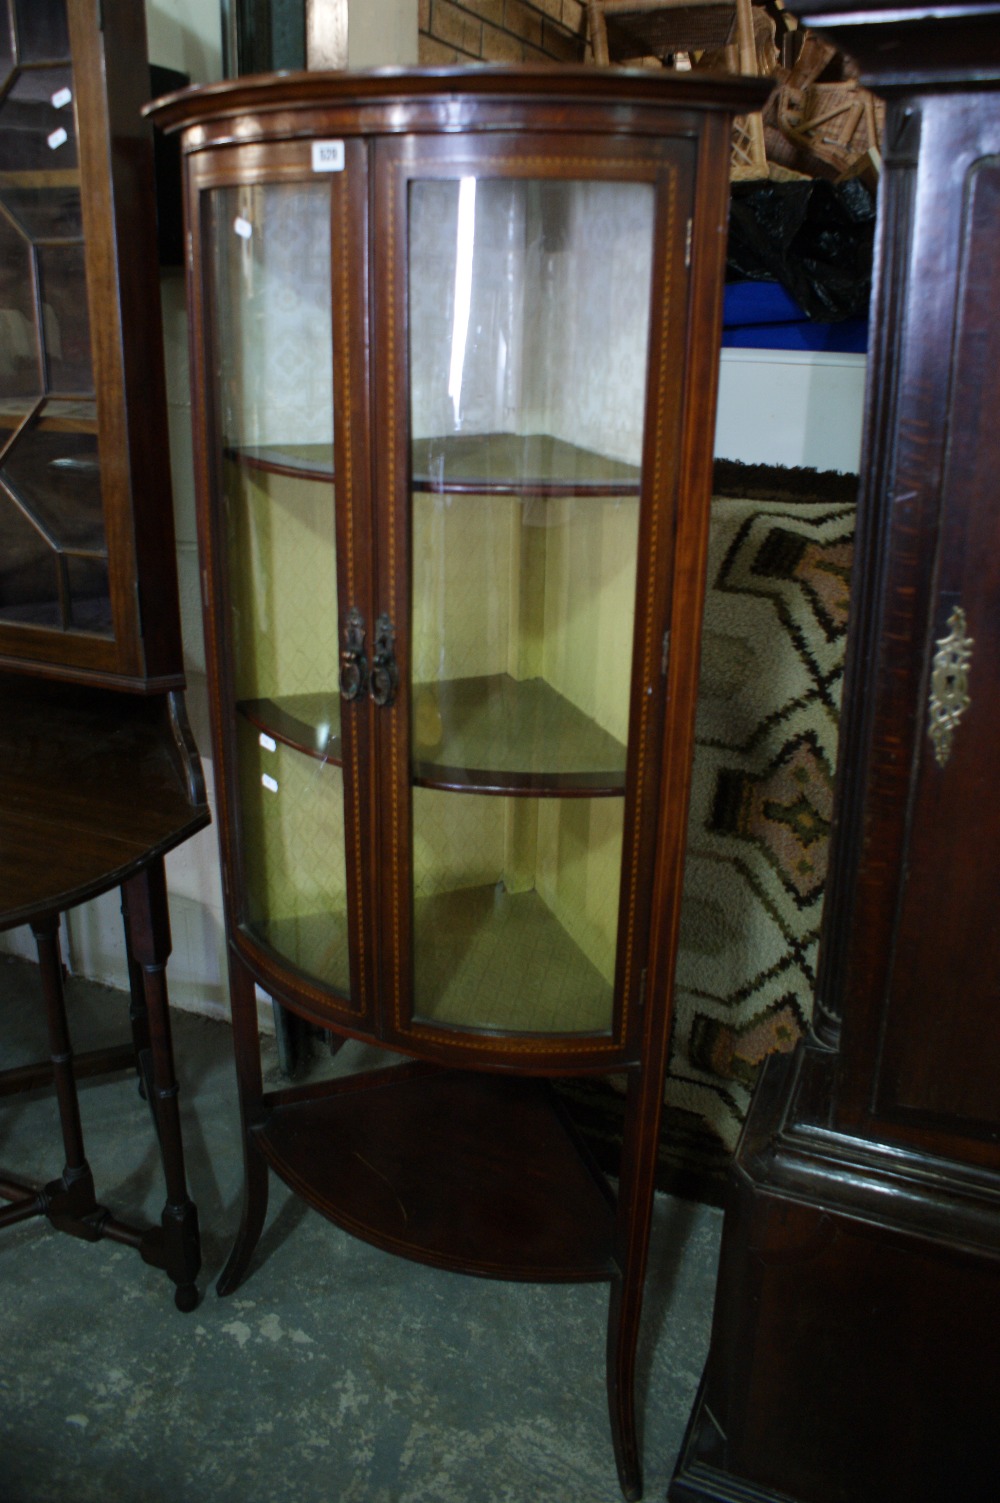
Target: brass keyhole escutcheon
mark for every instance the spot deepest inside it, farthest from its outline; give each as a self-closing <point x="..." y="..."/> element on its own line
<point x="949" y="697"/>
<point x="385" y="675"/>
<point x="353" y="663"/>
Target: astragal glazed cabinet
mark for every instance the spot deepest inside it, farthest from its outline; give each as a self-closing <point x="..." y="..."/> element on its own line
<point x="455" y="337"/>
<point x="88" y="589"/>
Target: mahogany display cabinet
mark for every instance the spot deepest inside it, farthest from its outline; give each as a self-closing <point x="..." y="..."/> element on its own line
<point x="455" y="338"/>
<point x="854" y="1349"/>
<point x="87" y="582"/>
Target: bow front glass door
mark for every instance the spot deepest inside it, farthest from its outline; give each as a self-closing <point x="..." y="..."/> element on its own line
<point x="527" y="303"/>
<point x="272" y="309"/>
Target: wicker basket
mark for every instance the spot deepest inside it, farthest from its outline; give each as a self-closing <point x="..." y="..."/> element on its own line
<point x="830" y="127"/>
<point x="810" y="127"/>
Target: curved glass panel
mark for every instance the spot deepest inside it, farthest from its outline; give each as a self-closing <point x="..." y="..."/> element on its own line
<point x="529" y="311"/>
<point x="272" y="336"/>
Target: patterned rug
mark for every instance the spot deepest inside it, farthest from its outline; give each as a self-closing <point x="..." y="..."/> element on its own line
<point x="773" y="650"/>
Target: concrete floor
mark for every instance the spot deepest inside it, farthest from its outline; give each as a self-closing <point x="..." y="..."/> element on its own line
<point x="336" y="1373"/>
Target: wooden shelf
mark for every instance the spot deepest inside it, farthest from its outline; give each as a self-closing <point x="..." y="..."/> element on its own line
<point x="59" y="415"/>
<point x="308" y="722"/>
<point x="302" y="461"/>
<point x="511" y="464"/>
<point x="41" y="178"/>
<point x="487" y="961"/>
<point x="494" y="961"/>
<point x="514" y="736"/>
<point x="518" y="1200"/>
<point x="481" y="464"/>
<point x="497" y="735"/>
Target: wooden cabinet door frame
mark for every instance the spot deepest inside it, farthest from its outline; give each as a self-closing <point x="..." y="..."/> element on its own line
<point x="669" y="165"/>
<point x="142" y="651"/>
<point x="266" y="165"/>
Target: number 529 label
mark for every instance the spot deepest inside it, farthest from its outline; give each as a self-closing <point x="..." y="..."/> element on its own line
<point x="328" y="156"/>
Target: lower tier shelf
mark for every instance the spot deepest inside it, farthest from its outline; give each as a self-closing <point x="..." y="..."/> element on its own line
<point x="475" y="1173"/>
<point x="485" y="959"/>
<point x="502" y="961"/>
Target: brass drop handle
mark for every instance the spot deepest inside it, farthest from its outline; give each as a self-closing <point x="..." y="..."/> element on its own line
<point x="353" y="663"/>
<point x="385" y="675"/>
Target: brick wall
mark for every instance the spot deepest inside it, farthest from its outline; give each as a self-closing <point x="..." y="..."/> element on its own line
<point x="502" y="31"/>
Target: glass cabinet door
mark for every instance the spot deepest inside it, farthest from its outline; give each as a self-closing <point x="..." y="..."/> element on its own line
<point x="272" y="353"/>
<point x="54" y="569"/>
<point x="527" y="304"/>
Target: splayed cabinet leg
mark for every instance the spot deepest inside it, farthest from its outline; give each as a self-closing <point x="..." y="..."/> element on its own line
<point x="643" y="1111"/>
<point x="623" y="1330"/>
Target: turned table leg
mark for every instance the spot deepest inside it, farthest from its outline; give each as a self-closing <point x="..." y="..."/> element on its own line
<point x="178" y="1249"/>
<point x="138" y="1015"/>
<point x="69" y="1202"/>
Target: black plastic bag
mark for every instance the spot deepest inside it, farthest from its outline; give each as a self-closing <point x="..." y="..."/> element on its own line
<point x="814" y="237"/>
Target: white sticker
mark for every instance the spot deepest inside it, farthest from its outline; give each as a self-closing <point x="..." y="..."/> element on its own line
<point x="57" y="139"/>
<point x="61" y="98"/>
<point x="243" y="228"/>
<point x="267" y="742"/>
<point x="271" y="784"/>
<point x="328" y="156"/>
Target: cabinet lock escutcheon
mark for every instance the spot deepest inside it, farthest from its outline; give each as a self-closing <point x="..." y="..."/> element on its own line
<point x="353" y="663"/>
<point x="384" y="675"/>
<point x="949" y="696"/>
